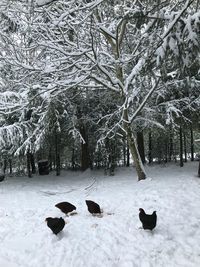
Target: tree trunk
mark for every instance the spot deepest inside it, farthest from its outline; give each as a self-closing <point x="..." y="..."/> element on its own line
<point x="199" y="169"/>
<point x="10" y="165"/>
<point x="166" y="152"/>
<point x="54" y="162"/>
<point x="73" y="159"/>
<point x="171" y="148"/>
<point x="127" y="127"/>
<point x="32" y="159"/>
<point x="124" y="151"/>
<point x="85" y="163"/>
<point x="140" y="143"/>
<point x="192" y="143"/>
<point x="57" y="151"/>
<point x="58" y="164"/>
<point x="175" y="153"/>
<point x="159" y="152"/>
<point x="4" y="165"/>
<point x="50" y="160"/>
<point x="150" y="147"/>
<point x="133" y="149"/>
<point x="181" y="146"/>
<point x="185" y="147"/>
<point x="127" y="155"/>
<point x="136" y="157"/>
<point x="29" y="165"/>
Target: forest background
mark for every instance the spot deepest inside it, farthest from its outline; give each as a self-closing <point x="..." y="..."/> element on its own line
<point x="91" y="84"/>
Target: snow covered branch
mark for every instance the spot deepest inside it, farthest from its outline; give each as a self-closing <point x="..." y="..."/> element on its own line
<point x="145" y="100"/>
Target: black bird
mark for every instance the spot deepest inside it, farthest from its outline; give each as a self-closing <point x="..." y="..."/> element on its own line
<point x="65" y="207"/>
<point x="148" y="220"/>
<point x="55" y="224"/>
<point x="93" y="207"/>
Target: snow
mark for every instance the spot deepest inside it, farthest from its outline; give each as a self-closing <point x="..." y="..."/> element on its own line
<point x="43" y="2"/>
<point x="112" y="241"/>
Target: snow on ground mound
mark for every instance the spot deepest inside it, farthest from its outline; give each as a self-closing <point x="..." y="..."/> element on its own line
<point x="112" y="241"/>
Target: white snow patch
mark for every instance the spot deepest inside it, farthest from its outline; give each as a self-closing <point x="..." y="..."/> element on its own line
<point x="112" y="241"/>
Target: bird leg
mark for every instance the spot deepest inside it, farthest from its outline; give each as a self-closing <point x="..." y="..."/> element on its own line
<point x="99" y="215"/>
<point x="72" y="213"/>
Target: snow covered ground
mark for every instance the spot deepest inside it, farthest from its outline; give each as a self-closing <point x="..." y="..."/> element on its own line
<point x="112" y="241"/>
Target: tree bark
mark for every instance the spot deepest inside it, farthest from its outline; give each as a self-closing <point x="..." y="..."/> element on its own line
<point x="166" y="152"/>
<point x="58" y="164"/>
<point x="171" y="148"/>
<point x="32" y="159"/>
<point x="127" y="155"/>
<point x="135" y="154"/>
<point x="73" y="159"/>
<point x="29" y="165"/>
<point x="140" y="143"/>
<point x="4" y="165"/>
<point x="185" y="147"/>
<point x="10" y="165"/>
<point x="192" y="143"/>
<point x="133" y="148"/>
<point x="124" y="151"/>
<point x="50" y="160"/>
<point x="181" y="146"/>
<point x="57" y="151"/>
<point x="85" y="163"/>
<point x="150" y="147"/>
<point x="199" y="169"/>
